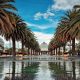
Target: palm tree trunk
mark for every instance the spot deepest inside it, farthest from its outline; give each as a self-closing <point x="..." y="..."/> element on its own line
<point x="56" y="51"/>
<point x="28" y="51"/>
<point x="59" y="50"/>
<point x="14" y="55"/>
<point x="31" y="51"/>
<point x="14" y="48"/>
<point x="22" y="62"/>
<point x="22" y="48"/>
<point x="64" y="49"/>
<point x="34" y="52"/>
<point x="73" y="46"/>
<point x="50" y="52"/>
<point x="39" y="52"/>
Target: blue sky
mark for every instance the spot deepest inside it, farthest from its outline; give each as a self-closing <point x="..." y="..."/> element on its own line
<point x="42" y="16"/>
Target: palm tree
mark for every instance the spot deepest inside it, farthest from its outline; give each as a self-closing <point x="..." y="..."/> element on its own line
<point x="35" y="46"/>
<point x="67" y="31"/>
<point x="5" y="22"/>
<point x="30" y="41"/>
<point x="53" y="45"/>
<point x="74" y="27"/>
<point x="60" y="38"/>
<point x="26" y="41"/>
<point x="75" y="24"/>
<point x="16" y="35"/>
<point x="68" y="28"/>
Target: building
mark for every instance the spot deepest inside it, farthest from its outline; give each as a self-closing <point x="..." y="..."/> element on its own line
<point x="44" y="46"/>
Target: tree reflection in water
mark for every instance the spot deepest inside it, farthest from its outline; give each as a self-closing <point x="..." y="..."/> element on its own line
<point x="13" y="70"/>
<point x="28" y="71"/>
<point x="63" y="70"/>
<point x="22" y="70"/>
<point x="1" y="68"/>
<point x="59" y="71"/>
<point x="73" y="69"/>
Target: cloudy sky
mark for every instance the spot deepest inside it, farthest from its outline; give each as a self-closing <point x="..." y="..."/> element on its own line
<point x="42" y="16"/>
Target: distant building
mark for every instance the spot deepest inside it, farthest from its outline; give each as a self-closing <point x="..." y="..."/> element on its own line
<point x="44" y="46"/>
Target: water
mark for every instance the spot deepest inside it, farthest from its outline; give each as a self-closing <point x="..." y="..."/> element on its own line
<point x="43" y="67"/>
<point x="43" y="72"/>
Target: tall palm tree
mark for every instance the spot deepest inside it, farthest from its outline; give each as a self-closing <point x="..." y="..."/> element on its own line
<point x="75" y="24"/>
<point x="30" y="41"/>
<point x="67" y="31"/>
<point x="53" y="45"/>
<point x="69" y="27"/>
<point x="17" y="34"/>
<point x="60" y="38"/>
<point x="35" y="46"/>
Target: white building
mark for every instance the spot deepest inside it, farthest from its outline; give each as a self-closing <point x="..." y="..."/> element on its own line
<point x="44" y="46"/>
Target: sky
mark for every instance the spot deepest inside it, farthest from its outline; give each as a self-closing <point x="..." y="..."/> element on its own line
<point x="43" y="16"/>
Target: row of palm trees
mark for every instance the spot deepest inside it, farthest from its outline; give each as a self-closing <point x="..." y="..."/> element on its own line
<point x="67" y="30"/>
<point x="14" y="28"/>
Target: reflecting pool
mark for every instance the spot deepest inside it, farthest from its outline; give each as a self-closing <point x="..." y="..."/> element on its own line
<point x="42" y="67"/>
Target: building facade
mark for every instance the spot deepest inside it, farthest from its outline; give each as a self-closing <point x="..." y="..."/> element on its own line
<point x="44" y="46"/>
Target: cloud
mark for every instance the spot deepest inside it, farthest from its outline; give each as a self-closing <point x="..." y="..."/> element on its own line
<point x="45" y="15"/>
<point x="43" y="27"/>
<point x="57" y="5"/>
<point x="64" y="4"/>
<point x="38" y="16"/>
<point x="43" y="37"/>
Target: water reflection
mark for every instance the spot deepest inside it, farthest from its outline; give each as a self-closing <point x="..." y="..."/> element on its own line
<point x="65" y="70"/>
<point x="1" y="69"/>
<point x="43" y="70"/>
<point x="30" y="70"/>
<point x="21" y="71"/>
